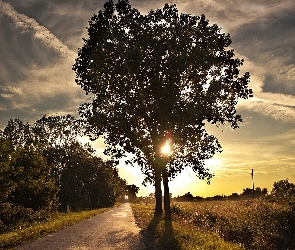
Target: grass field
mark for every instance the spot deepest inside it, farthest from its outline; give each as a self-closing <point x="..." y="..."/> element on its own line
<point x="177" y="234"/>
<point x="245" y="224"/>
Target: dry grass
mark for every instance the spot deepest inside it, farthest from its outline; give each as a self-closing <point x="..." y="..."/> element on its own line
<point x="256" y="224"/>
<point x="177" y="234"/>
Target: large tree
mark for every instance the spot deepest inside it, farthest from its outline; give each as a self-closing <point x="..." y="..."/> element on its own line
<point x="155" y="80"/>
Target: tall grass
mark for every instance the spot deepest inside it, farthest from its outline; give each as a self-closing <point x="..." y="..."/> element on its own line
<point x="256" y="224"/>
<point x="177" y="234"/>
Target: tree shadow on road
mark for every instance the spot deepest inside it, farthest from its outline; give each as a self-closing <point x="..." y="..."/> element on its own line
<point x="159" y="235"/>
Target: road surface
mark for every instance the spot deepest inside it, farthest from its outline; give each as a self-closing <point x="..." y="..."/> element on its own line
<point x="115" y="229"/>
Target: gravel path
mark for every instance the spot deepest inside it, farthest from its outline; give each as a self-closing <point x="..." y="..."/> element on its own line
<point x="114" y="229"/>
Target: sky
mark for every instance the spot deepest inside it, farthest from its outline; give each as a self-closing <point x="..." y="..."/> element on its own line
<point x="39" y="40"/>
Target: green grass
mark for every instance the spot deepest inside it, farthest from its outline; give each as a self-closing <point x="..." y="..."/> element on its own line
<point x="176" y="234"/>
<point x="33" y="232"/>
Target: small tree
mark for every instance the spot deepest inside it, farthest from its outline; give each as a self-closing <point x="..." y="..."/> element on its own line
<point x="260" y="192"/>
<point x="283" y="189"/>
<point x="131" y="191"/>
<point x="156" y="79"/>
<point x="86" y="181"/>
<point x="247" y="193"/>
<point x="186" y="197"/>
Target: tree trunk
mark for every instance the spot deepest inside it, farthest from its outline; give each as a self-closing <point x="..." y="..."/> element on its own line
<point x="158" y="192"/>
<point x="166" y="195"/>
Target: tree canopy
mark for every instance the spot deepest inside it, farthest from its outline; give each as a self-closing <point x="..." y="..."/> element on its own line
<point x="44" y="168"/>
<point x="156" y="79"/>
<point x="283" y="189"/>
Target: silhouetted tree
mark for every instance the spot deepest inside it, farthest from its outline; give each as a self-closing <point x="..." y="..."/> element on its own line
<point x="258" y="192"/>
<point x="283" y="189"/>
<point x="218" y="197"/>
<point x="7" y="184"/>
<point x="34" y="189"/>
<point x="27" y="192"/>
<point x="156" y="79"/>
<point x="234" y="196"/>
<point x="198" y="198"/>
<point x="86" y="180"/>
<point x="18" y="132"/>
<point x="56" y="131"/>
<point x="247" y="192"/>
<point x="110" y="185"/>
<point x="131" y="191"/>
<point x="186" y="197"/>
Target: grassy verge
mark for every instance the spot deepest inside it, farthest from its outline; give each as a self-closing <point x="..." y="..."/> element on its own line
<point x="31" y="233"/>
<point x="160" y="234"/>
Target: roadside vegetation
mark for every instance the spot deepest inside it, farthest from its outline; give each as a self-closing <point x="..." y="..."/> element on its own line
<point x="263" y="223"/>
<point x="28" y="233"/>
<point x="158" y="233"/>
<point x="244" y="224"/>
<point x="258" y="224"/>
<point x="46" y="174"/>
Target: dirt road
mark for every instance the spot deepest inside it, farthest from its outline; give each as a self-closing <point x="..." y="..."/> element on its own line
<point x="114" y="229"/>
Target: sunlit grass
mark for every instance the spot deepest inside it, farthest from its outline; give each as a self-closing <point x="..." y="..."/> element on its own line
<point x="31" y="233"/>
<point x="176" y="234"/>
<point x="256" y="224"/>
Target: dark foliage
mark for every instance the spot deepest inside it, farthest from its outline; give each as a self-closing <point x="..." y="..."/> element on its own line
<point x="131" y="191"/>
<point x="43" y="169"/>
<point x="186" y="197"/>
<point x="156" y="79"/>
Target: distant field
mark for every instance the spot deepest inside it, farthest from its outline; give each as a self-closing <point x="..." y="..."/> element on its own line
<point x="251" y="224"/>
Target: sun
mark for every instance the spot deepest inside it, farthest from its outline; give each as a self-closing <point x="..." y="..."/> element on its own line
<point x="166" y="149"/>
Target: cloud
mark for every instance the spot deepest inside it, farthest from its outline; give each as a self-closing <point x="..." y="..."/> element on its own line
<point x="45" y="90"/>
<point x="269" y="108"/>
<point x="36" y="71"/>
<point x="65" y="19"/>
<point x="40" y="32"/>
<point x="278" y="106"/>
<point x="266" y="149"/>
<point x="261" y="167"/>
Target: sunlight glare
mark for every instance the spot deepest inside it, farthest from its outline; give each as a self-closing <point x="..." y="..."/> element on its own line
<point x="215" y="164"/>
<point x="166" y="149"/>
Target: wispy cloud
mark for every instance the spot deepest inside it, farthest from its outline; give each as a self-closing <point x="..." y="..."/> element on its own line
<point x="47" y="89"/>
<point x="46" y="85"/>
<point x="40" y="32"/>
<point x="265" y="167"/>
<point x="276" y="105"/>
<point x="270" y="59"/>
